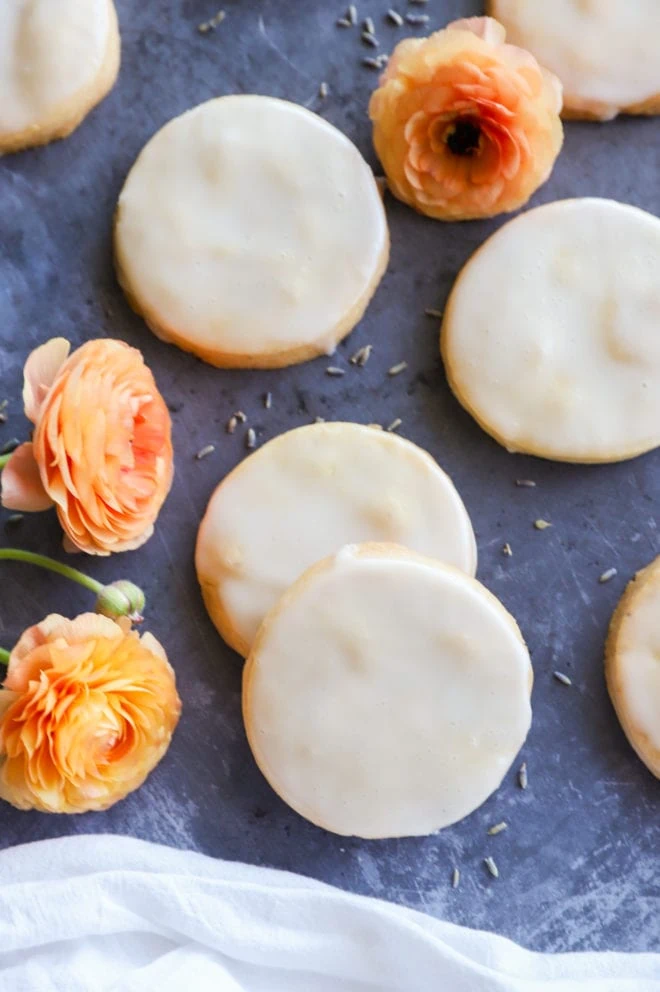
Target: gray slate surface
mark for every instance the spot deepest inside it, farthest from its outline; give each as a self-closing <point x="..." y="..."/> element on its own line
<point x="579" y="865"/>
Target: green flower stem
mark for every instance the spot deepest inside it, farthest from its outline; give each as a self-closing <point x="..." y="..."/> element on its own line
<point x="119" y="599"/>
<point x="4" y="459"/>
<point x="15" y="554"/>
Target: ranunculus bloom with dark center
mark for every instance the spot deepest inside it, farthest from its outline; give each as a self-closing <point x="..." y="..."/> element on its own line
<point x="102" y="449"/>
<point x="87" y="710"/>
<point x="465" y="125"/>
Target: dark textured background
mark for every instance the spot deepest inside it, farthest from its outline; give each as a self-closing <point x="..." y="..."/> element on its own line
<point x="579" y="866"/>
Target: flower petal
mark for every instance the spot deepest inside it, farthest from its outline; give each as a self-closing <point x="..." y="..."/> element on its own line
<point x="69" y="546"/>
<point x="22" y="488"/>
<point x="466" y="71"/>
<point x="554" y="87"/>
<point x="39" y="374"/>
<point x="103" y="446"/>
<point x="87" y="711"/>
<point x="484" y="27"/>
<point x="7" y="697"/>
<point x="415" y="121"/>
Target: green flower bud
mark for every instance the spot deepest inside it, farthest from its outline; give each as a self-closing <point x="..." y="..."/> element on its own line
<point x="121" y="599"/>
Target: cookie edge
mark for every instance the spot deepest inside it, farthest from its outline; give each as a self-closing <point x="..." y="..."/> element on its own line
<point x="638" y="739"/>
<point x="371" y="550"/>
<point x="454" y="382"/>
<point x="214" y="603"/>
<point x="576" y="109"/>
<point x="277" y="357"/>
<point x="63" y="120"/>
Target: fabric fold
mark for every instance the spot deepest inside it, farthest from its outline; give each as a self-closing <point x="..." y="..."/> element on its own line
<point x="101" y="913"/>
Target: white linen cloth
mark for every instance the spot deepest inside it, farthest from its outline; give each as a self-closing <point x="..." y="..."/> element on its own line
<point x="100" y="913"/>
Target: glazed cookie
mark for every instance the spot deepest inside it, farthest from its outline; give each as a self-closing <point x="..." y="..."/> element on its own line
<point x="58" y="59"/>
<point x="302" y="497"/>
<point x="632" y="664"/>
<point x="603" y="51"/>
<point x="386" y="694"/>
<point x="550" y="336"/>
<point x="251" y="232"/>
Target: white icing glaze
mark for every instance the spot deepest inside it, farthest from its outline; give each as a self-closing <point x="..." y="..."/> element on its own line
<point x="605" y="52"/>
<point x="50" y="51"/>
<point x="551" y="333"/>
<point x="637" y="667"/>
<point x="310" y="491"/>
<point x="249" y="226"/>
<point x="386" y="696"/>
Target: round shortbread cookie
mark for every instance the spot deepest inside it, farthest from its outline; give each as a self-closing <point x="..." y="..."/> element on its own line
<point x="306" y="494"/>
<point x="251" y="232"/>
<point x="550" y="336"/>
<point x="58" y="59"/>
<point x="603" y="51"/>
<point x="386" y="694"/>
<point x="632" y="664"/>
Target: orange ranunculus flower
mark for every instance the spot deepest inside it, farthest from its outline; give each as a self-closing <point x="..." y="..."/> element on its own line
<point x="87" y="710"/>
<point x="465" y="125"/>
<point x="101" y="450"/>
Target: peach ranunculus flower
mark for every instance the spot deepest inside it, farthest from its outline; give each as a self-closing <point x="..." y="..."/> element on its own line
<point x="101" y="449"/>
<point x="465" y="125"/>
<point x="87" y="710"/>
